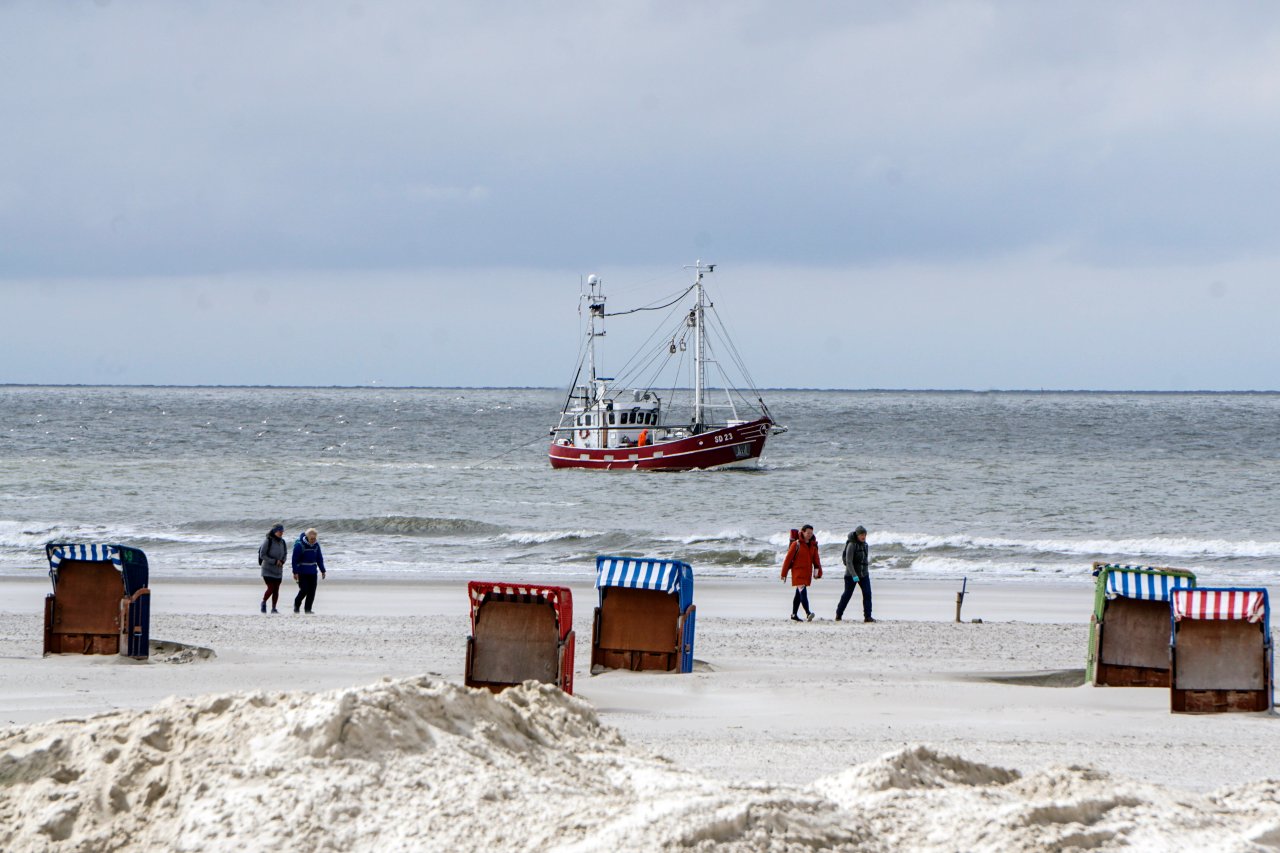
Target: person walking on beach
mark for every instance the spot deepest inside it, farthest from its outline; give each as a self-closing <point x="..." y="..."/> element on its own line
<point x="857" y="572"/>
<point x="803" y="563"/>
<point x="307" y="561"/>
<point x="271" y="557"/>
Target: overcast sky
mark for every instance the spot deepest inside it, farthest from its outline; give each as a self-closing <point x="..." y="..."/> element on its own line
<point x="897" y="195"/>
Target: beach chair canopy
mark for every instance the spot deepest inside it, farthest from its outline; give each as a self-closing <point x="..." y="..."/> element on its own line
<point x="1250" y="605"/>
<point x="130" y="561"/>
<point x="1144" y="582"/>
<point x="559" y="597"/>
<point x="670" y="576"/>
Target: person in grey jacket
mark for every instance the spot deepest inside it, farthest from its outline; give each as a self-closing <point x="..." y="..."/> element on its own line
<point x="857" y="572"/>
<point x="271" y="556"/>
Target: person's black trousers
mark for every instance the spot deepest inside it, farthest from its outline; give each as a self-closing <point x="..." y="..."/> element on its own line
<point x="849" y="584"/>
<point x="307" y="590"/>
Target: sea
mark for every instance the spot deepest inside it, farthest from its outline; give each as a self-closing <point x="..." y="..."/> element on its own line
<point x="454" y="483"/>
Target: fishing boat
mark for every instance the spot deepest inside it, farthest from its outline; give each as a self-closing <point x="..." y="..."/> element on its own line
<point x="634" y="421"/>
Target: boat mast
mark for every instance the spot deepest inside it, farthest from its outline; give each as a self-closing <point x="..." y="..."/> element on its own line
<point x="699" y="345"/>
<point x="595" y="308"/>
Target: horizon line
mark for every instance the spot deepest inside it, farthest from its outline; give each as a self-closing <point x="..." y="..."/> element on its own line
<point x="561" y="388"/>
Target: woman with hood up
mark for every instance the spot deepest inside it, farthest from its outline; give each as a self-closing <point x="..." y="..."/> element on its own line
<point x="271" y="557"/>
<point x="857" y="572"/>
<point x="803" y="563"/>
<point x="307" y="561"/>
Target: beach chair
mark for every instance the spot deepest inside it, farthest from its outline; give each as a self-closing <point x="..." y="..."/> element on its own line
<point x="1220" y="650"/>
<point x="645" y="617"/>
<point x="1129" y="631"/>
<point x="100" y="604"/>
<point x="519" y="632"/>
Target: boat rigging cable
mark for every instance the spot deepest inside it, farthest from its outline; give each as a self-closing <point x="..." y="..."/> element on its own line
<point x="654" y="307"/>
<point x="538" y="437"/>
<point x="632" y="369"/>
<point x="628" y="370"/>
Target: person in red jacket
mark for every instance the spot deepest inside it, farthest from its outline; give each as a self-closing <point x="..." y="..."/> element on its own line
<point x="803" y="563"/>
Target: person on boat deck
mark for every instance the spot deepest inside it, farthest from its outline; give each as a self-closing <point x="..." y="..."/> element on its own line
<point x="307" y="561"/>
<point x="271" y="557"/>
<point x="857" y="572"/>
<point x="805" y="566"/>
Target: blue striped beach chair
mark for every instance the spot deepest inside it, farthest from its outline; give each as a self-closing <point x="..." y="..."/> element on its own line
<point x="645" y="618"/>
<point x="100" y="604"/>
<point x="1129" y="630"/>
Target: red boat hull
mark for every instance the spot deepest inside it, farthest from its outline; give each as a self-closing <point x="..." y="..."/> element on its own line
<point x="735" y="446"/>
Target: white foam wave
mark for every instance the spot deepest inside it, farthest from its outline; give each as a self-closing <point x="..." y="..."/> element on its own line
<point x="696" y="538"/>
<point x="826" y="539"/>
<point x="1162" y="546"/>
<point x="542" y="537"/>
<point x="947" y="567"/>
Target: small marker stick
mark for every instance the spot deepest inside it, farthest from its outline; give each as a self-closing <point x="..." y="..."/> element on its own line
<point x="960" y="597"/>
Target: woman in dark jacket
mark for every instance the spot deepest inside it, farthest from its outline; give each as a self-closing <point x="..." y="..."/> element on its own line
<point x="271" y="557"/>
<point x="307" y="561"/>
<point x="857" y="572"/>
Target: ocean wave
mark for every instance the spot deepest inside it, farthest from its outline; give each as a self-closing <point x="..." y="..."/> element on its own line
<point x="397" y="525"/>
<point x="734" y="557"/>
<point x="27" y="534"/>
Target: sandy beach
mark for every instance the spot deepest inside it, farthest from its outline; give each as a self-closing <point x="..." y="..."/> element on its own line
<point x="771" y="702"/>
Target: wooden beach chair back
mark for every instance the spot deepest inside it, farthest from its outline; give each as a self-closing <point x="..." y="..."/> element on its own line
<point x="519" y="632"/>
<point x="1221" y="652"/>
<point x="1129" y="630"/>
<point x="100" y="604"/>
<point x="645" y="618"/>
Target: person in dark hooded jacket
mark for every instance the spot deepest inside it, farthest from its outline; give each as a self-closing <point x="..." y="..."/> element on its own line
<point x="857" y="572"/>
<point x="307" y="561"/>
<point x="271" y="556"/>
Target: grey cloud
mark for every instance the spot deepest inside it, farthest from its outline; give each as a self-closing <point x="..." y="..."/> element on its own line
<point x="179" y="138"/>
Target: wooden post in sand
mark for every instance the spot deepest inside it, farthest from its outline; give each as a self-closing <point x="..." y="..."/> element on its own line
<point x="960" y="597"/>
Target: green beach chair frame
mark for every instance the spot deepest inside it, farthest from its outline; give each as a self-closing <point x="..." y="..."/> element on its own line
<point x="1144" y="611"/>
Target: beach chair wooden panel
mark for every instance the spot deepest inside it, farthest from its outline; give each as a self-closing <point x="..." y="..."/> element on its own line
<point x="1221" y="651"/>
<point x="645" y="617"/>
<point x="519" y="632"/>
<point x="1129" y="630"/>
<point x="100" y="602"/>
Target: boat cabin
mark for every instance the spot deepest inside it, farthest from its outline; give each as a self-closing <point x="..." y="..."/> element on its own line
<point x="615" y="423"/>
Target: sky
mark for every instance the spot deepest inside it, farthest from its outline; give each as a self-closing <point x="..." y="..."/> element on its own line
<point x="973" y="195"/>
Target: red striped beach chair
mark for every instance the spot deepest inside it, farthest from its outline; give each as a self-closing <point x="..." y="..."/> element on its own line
<point x="519" y="633"/>
<point x="1220" y="650"/>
